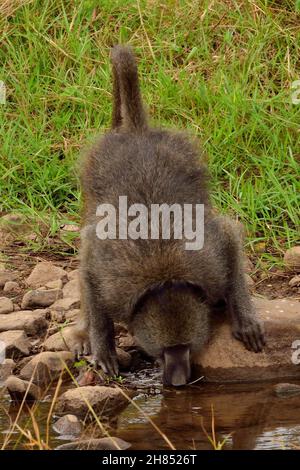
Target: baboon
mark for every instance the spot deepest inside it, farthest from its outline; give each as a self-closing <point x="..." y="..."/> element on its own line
<point x="162" y="292"/>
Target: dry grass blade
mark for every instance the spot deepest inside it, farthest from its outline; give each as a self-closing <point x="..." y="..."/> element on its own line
<point x="9" y="7"/>
<point x="216" y="445"/>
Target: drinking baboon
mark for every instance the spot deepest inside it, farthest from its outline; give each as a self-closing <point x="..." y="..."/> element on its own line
<point x="162" y="291"/>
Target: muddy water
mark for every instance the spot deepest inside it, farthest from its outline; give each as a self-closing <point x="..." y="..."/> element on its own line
<point x="245" y="417"/>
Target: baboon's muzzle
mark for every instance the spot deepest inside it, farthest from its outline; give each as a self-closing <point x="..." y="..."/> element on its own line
<point x="177" y="366"/>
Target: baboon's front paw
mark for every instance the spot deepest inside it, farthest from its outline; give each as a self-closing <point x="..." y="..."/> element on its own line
<point x="107" y="362"/>
<point x="251" y="333"/>
<point x="81" y="346"/>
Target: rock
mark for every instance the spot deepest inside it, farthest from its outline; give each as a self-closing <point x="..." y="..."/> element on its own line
<point x="126" y="341"/>
<point x="72" y="290"/>
<point x="73" y="274"/>
<point x="14" y="223"/>
<point x="6" y="238"/>
<point x="6" y="368"/>
<point x="17" y="308"/>
<point x="292" y="258"/>
<point x="103" y="400"/>
<point x="248" y="265"/>
<point x="124" y="359"/>
<point x="68" y="425"/>
<point x="46" y="367"/>
<point x="11" y="287"/>
<point x="70" y="228"/>
<point x="89" y="377"/>
<point x="44" y="272"/>
<point x="295" y="281"/>
<point x="120" y="329"/>
<point x="71" y="315"/>
<point x="6" y="305"/>
<point x="16" y="343"/>
<point x="227" y="360"/>
<point x="63" y="340"/>
<point x="40" y="298"/>
<point x="106" y="443"/>
<point x="22" y="363"/>
<point x="6" y="276"/>
<point x="286" y="390"/>
<point x="32" y="323"/>
<point x="18" y="389"/>
<point x="65" y="304"/>
<point x="57" y="284"/>
<point x="57" y="317"/>
<point x="249" y="280"/>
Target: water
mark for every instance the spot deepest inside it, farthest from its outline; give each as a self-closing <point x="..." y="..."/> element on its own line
<point x="245" y="417"/>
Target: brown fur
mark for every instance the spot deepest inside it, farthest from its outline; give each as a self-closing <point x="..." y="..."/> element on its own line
<point x="163" y="292"/>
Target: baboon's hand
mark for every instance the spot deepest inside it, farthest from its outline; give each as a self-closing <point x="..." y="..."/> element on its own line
<point x="107" y="361"/>
<point x="251" y="332"/>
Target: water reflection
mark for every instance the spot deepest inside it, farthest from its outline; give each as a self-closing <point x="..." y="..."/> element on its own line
<point x="246" y="416"/>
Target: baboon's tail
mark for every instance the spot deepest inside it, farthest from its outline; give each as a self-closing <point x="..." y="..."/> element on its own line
<point x="128" y="111"/>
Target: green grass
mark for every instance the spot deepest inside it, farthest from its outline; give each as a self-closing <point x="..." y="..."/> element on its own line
<point x="220" y="69"/>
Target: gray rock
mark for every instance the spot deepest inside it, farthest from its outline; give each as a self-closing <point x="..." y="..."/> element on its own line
<point x="57" y="284"/>
<point x="248" y="265"/>
<point x="126" y="341"/>
<point x="11" y="287"/>
<point x="65" y="304"/>
<point x="14" y="222"/>
<point x="61" y="341"/>
<point x="43" y="273"/>
<point x="31" y="322"/>
<point x="18" y="389"/>
<point x="70" y="228"/>
<point x="72" y="315"/>
<point x="40" y="298"/>
<point x="73" y="274"/>
<point x="46" y="367"/>
<point x="124" y="359"/>
<point x="103" y="400"/>
<point x="292" y="258"/>
<point x="6" y="368"/>
<point x="68" y="425"/>
<point x="286" y="390"/>
<point x="249" y="280"/>
<point x="6" y="305"/>
<point x="72" y="290"/>
<point x="226" y="359"/>
<point x="106" y="443"/>
<point x="57" y="316"/>
<point x="16" y="343"/>
<point x="295" y="281"/>
<point x="6" y="276"/>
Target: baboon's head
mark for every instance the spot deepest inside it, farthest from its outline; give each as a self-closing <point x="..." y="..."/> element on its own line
<point x="171" y="323"/>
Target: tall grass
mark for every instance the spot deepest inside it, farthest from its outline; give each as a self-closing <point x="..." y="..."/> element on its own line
<point x="221" y="70"/>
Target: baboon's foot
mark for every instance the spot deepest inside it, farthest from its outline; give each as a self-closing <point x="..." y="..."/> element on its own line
<point x="107" y="361"/>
